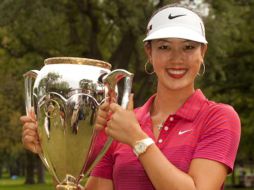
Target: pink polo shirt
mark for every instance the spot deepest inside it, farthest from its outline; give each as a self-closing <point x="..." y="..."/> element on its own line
<point x="199" y="129"/>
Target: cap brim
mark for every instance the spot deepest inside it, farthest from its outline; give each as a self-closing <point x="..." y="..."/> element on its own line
<point x="176" y="32"/>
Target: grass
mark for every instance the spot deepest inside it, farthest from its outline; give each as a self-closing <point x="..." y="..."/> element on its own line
<point x="19" y="184"/>
<point x="26" y="187"/>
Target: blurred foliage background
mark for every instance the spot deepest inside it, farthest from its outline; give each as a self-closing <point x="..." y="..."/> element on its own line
<point x="113" y="30"/>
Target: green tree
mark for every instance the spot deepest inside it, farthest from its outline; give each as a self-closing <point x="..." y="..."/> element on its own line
<point x="229" y="77"/>
<point x="229" y="63"/>
<point x="31" y="31"/>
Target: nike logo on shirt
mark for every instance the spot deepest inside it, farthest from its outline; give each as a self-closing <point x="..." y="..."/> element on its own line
<point x="183" y="132"/>
<point x="175" y="16"/>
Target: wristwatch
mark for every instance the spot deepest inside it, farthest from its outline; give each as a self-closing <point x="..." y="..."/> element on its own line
<point x="141" y="146"/>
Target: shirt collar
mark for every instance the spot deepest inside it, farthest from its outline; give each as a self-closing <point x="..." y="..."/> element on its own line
<point x="192" y="105"/>
<point x="188" y="110"/>
<point x="143" y="112"/>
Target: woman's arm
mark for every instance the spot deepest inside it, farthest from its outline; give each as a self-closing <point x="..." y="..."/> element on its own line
<point x="203" y="173"/>
<point x="207" y="174"/>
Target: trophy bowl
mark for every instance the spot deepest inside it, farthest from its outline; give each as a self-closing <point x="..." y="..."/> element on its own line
<point x="65" y="95"/>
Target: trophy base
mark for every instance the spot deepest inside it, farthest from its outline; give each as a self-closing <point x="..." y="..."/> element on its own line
<point x="69" y="183"/>
<point x="67" y="187"/>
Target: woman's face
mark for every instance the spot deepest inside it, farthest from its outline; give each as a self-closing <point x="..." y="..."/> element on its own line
<point x="176" y="61"/>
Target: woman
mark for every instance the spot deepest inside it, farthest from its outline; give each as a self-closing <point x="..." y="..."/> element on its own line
<point x="178" y="139"/>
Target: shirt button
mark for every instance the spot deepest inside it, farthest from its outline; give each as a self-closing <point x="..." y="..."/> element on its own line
<point x="160" y="140"/>
<point x="171" y="119"/>
<point x="166" y="128"/>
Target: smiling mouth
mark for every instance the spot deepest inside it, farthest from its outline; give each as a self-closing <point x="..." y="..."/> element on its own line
<point x="176" y="73"/>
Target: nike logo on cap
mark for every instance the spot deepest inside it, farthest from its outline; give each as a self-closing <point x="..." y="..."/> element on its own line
<point x="185" y="131"/>
<point x="175" y="16"/>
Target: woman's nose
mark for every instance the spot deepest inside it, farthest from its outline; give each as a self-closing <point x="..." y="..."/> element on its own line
<point x="176" y="56"/>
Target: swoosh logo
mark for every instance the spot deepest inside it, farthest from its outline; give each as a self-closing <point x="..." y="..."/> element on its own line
<point x="175" y="16"/>
<point x="183" y="132"/>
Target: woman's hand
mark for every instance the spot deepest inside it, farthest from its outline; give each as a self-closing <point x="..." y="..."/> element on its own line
<point x="102" y="116"/>
<point x="123" y="125"/>
<point x="30" y="138"/>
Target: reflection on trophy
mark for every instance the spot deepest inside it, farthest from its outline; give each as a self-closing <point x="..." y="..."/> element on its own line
<point x="65" y="95"/>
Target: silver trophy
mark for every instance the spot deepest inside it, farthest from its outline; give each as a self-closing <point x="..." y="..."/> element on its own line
<point x="65" y="95"/>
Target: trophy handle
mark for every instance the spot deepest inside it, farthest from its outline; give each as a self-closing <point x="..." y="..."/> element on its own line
<point x="110" y="81"/>
<point x="29" y="76"/>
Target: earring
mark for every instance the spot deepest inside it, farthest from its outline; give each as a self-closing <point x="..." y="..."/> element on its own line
<point x="203" y="72"/>
<point x="146" y="70"/>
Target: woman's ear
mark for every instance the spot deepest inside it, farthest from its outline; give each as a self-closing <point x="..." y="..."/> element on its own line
<point x="148" y="49"/>
<point x="203" y="50"/>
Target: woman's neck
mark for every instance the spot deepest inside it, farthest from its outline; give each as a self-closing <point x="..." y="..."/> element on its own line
<point x="169" y="101"/>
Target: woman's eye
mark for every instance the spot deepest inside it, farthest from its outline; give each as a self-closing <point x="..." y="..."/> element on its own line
<point x="189" y="47"/>
<point x="164" y="47"/>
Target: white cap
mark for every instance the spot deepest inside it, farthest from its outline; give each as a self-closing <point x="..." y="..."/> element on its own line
<point x="176" y="22"/>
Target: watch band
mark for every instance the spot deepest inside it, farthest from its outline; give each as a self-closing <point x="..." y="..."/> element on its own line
<point x="142" y="145"/>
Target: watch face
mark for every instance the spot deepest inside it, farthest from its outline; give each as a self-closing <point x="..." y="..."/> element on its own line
<point x="141" y="147"/>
